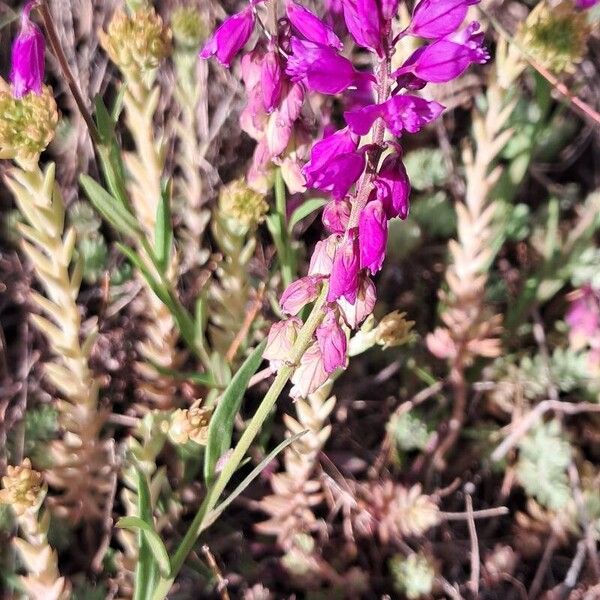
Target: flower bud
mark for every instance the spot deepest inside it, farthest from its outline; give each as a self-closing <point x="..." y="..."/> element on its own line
<point x="230" y="37"/>
<point x="393" y="330"/>
<point x="282" y="337"/>
<point x="242" y="204"/>
<point x="298" y="294"/>
<point x="321" y="260"/>
<point x="372" y="236"/>
<point x="189" y="27"/>
<point x="393" y="187"/>
<point x="433" y="19"/>
<point x="332" y="342"/>
<point x="190" y="424"/>
<point x="310" y="374"/>
<point x="271" y="80"/>
<point x="23" y="488"/>
<point x="343" y="281"/>
<point x="355" y="313"/>
<point x="311" y="27"/>
<point x="336" y="216"/>
<point x="27" y="57"/>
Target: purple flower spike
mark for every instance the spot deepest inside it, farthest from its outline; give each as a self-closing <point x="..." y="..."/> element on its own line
<point x="372" y="236"/>
<point x="585" y="4"/>
<point x="434" y="19"/>
<point x="332" y="342"/>
<point x="400" y="113"/>
<point x="298" y="294"/>
<point x="363" y="22"/>
<point x="27" y="57"/>
<point x="321" y="68"/>
<point x="393" y="187"/>
<point x="343" y="281"/>
<point x="311" y="27"/>
<point x="334" y="164"/>
<point x="230" y="37"/>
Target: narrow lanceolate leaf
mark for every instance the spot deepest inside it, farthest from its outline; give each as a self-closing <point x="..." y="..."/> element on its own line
<point x="109" y="207"/>
<point x="221" y="423"/>
<point x="216" y="512"/>
<point x="157" y="549"/>
<point x="163" y="234"/>
<point x="305" y="209"/>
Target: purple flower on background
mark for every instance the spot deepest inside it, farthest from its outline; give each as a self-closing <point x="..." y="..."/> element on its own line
<point x="230" y="37"/>
<point x="393" y="187"/>
<point x="320" y="68"/>
<point x="282" y="337"/>
<point x="356" y="312"/>
<point x="585" y="4"/>
<point x="433" y="19"/>
<point x="332" y="342"/>
<point x="311" y="27"/>
<point x="335" y="165"/>
<point x="583" y="316"/>
<point x="372" y="236"/>
<point x="271" y="79"/>
<point x="364" y="24"/>
<point x="298" y="294"/>
<point x="400" y="113"/>
<point x="389" y="8"/>
<point x="343" y="281"/>
<point x="447" y="58"/>
<point x="27" y="57"/>
<point x="336" y="215"/>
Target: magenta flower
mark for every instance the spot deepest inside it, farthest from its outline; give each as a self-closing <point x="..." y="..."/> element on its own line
<point x="336" y="215"/>
<point x="298" y="294"/>
<point x="271" y="80"/>
<point x="585" y="4"/>
<point x="400" y="113"/>
<point x="282" y="337"/>
<point x="332" y="342"/>
<point x="311" y="27"/>
<point x="320" y="68"/>
<point x="393" y="187"/>
<point x="335" y="165"/>
<point x="433" y="19"/>
<point x="27" y="57"/>
<point x="343" y="281"/>
<point x="363" y="22"/>
<point x="230" y="37"/>
<point x="356" y="312"/>
<point x="372" y="236"/>
<point x="389" y="8"/>
<point x="583" y="317"/>
<point x="447" y="58"/>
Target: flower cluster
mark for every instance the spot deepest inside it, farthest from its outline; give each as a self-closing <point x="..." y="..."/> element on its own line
<point x="366" y="178"/>
<point x="23" y="488"/>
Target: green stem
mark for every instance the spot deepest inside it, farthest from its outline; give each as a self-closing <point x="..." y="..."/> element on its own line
<point x="303" y="341"/>
<point x="286" y="258"/>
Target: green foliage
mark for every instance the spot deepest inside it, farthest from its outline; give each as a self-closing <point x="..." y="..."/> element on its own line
<point x="435" y="214"/>
<point x="409" y="431"/>
<point x="426" y="168"/>
<point x="544" y="455"/>
<point x="413" y="576"/>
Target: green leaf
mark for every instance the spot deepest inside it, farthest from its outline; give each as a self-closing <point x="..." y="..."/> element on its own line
<point x="144" y="570"/>
<point x="159" y="552"/>
<point x="118" y="104"/>
<point x="163" y="232"/>
<point x="104" y="121"/>
<point x="109" y="207"/>
<point x="304" y="210"/>
<point x="216" y="512"/>
<point x="221" y="423"/>
<point x="205" y="379"/>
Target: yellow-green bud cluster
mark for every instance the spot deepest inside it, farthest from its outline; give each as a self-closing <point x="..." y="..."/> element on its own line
<point x="239" y="202"/>
<point x="189" y="27"/>
<point x="136" y="43"/>
<point x="555" y="36"/>
<point x="190" y="424"/>
<point x="27" y="124"/>
<point x="23" y="488"/>
<point x="394" y="330"/>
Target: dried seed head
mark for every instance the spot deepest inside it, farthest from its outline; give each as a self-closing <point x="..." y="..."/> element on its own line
<point x="242" y="204"/>
<point x="27" y="124"/>
<point x="23" y="488"/>
<point x="393" y="330"/>
<point x="189" y="27"/>
<point x="556" y="36"/>
<point x="190" y="424"/>
<point x="136" y="43"/>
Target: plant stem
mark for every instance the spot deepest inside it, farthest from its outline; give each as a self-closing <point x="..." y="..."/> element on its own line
<point x="286" y="260"/>
<point x="303" y="341"/>
<point x="58" y="52"/>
